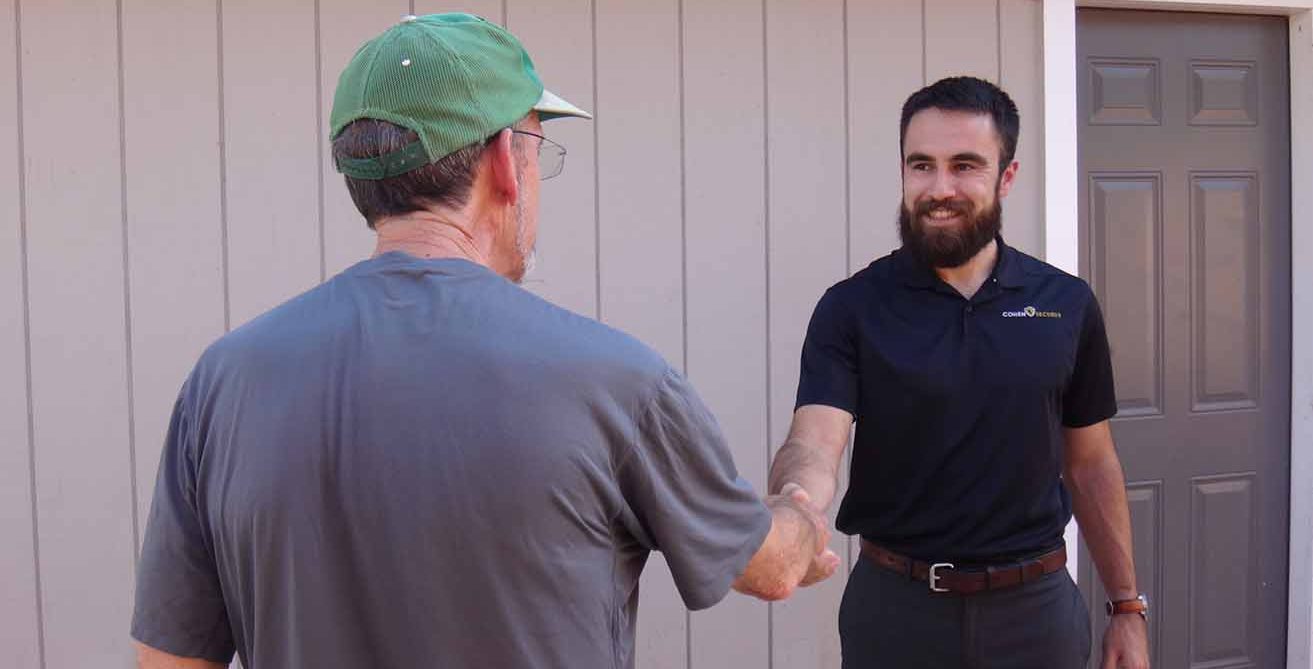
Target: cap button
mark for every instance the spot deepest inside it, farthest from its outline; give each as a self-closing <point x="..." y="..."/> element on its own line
<point x="409" y="18"/>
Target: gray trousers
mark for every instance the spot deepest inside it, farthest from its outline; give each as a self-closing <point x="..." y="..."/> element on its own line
<point x="888" y="621"/>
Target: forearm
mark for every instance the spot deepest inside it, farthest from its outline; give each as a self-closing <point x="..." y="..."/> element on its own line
<point x="1098" y="495"/>
<point x="809" y="467"/>
<point x="782" y="561"/>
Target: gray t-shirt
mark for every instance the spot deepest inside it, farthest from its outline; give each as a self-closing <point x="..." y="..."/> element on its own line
<point x="420" y="464"/>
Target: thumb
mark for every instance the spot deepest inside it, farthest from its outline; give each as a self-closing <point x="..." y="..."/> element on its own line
<point x="791" y="489"/>
<point x="822" y="567"/>
<point x="798" y="494"/>
<point x="829" y="559"/>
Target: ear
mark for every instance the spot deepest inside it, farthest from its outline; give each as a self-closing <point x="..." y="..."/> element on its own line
<point x="1007" y="178"/>
<point x="501" y="156"/>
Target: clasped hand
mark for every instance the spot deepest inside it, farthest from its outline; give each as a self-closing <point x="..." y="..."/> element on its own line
<point x="825" y="561"/>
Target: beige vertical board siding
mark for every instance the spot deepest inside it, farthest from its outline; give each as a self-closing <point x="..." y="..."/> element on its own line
<point x="1021" y="64"/>
<point x="175" y="227"/>
<point x="493" y="10"/>
<point x="640" y="243"/>
<point x="725" y="210"/>
<point x="884" y="67"/>
<point x="343" y="26"/>
<point x="808" y="252"/>
<point x="744" y="159"/>
<point x="559" y="37"/>
<point x="961" y="38"/>
<point x="271" y="139"/>
<point x="79" y="349"/>
<point x="639" y="171"/>
<point x="19" y="638"/>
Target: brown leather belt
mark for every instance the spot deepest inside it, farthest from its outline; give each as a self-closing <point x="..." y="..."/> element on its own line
<point x="944" y="577"/>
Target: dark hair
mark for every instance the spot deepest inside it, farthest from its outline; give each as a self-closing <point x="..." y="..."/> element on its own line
<point x="446" y="182"/>
<point x="967" y="94"/>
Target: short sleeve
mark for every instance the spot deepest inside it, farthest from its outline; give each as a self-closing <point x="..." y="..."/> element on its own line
<point x="828" y="373"/>
<point x="179" y="604"/>
<point x="1090" y="396"/>
<point x="685" y="498"/>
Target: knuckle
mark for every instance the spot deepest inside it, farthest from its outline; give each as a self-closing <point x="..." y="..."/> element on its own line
<point x="777" y="591"/>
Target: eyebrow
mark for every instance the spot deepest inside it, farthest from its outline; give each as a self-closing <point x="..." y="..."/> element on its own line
<point x="965" y="157"/>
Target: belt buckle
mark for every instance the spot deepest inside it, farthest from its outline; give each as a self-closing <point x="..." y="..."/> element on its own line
<point x="934" y="575"/>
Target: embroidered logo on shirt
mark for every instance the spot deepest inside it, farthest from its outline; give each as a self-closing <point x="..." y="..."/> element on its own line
<point x="1032" y="312"/>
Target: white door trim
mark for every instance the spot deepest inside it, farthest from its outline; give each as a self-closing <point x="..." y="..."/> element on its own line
<point x="1062" y="247"/>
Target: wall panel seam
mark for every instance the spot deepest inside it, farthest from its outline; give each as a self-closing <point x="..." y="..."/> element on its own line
<point x="683" y="250"/>
<point x="319" y="140"/>
<point x="847" y="156"/>
<point x="597" y="172"/>
<point x="998" y="41"/>
<point x="847" y="195"/>
<point x="39" y="611"/>
<point x="683" y="183"/>
<point x="924" y="71"/>
<point x="765" y="146"/>
<point x="223" y="170"/>
<point x="127" y="289"/>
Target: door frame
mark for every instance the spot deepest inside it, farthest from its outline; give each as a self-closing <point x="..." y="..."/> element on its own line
<point x="1062" y="244"/>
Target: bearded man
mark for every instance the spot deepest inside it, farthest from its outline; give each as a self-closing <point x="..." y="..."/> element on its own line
<point x="981" y="385"/>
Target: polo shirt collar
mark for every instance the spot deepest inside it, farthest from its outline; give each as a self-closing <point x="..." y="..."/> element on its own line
<point x="915" y="274"/>
<point x="1008" y="269"/>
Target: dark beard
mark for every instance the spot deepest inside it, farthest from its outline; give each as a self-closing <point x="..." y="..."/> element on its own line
<point x="949" y="247"/>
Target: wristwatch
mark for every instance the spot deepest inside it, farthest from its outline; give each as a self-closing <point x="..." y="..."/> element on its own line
<point x="1139" y="604"/>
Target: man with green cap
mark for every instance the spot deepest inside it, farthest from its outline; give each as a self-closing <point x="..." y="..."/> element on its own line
<point x="419" y="463"/>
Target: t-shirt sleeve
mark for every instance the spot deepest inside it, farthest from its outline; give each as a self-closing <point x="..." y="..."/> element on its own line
<point x="1090" y="396"/>
<point x="179" y="604"/>
<point x="828" y="373"/>
<point x="685" y="497"/>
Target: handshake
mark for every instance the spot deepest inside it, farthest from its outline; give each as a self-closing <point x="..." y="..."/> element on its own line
<point x="795" y="553"/>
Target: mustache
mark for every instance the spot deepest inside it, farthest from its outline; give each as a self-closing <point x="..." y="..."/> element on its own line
<point x="955" y="205"/>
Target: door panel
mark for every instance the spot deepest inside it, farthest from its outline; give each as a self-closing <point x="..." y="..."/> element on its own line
<point x="1184" y="158"/>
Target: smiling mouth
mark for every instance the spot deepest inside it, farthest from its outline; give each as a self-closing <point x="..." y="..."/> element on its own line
<point x="940" y="214"/>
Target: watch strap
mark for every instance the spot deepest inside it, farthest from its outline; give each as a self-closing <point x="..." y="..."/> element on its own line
<point x="1136" y="604"/>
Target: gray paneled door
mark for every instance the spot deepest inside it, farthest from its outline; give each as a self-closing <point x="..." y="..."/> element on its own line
<point x="1185" y="218"/>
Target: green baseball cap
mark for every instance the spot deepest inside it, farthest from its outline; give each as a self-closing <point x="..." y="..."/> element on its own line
<point x="454" y="79"/>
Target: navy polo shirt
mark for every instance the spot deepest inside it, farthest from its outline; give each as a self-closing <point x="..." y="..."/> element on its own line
<point x="959" y="403"/>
